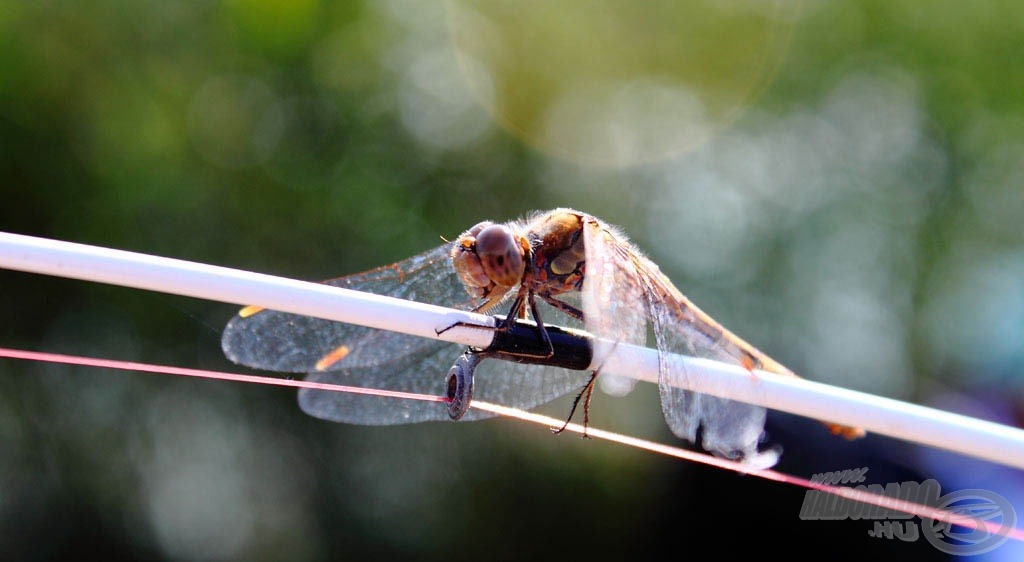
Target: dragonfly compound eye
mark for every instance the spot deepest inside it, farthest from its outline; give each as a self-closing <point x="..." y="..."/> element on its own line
<point x="500" y="255"/>
<point x="475" y="230"/>
<point x="467" y="264"/>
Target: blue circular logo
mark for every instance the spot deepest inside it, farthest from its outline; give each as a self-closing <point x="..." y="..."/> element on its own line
<point x="970" y="533"/>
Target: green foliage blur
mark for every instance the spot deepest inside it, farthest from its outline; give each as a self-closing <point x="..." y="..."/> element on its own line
<point x="839" y="182"/>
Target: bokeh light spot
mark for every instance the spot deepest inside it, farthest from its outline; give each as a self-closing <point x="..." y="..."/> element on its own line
<point x="613" y="82"/>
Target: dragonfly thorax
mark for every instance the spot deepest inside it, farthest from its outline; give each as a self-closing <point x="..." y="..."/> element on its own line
<point x="559" y="263"/>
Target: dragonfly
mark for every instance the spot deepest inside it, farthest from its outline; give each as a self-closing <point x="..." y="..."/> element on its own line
<point x="561" y="264"/>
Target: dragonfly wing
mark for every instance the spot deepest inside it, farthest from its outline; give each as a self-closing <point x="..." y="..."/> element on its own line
<point x="279" y="341"/>
<point x="610" y="301"/>
<point x="729" y="428"/>
<point x="420" y="373"/>
<point x="500" y="382"/>
<point x="621" y="291"/>
<point x="346" y="354"/>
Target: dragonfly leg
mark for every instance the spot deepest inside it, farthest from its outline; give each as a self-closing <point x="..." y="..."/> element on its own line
<point x="517" y="307"/>
<point x="524" y="299"/>
<point x="586" y="404"/>
<point x="491" y="300"/>
<point x="544" y="336"/>
<point x="466" y="325"/>
<point x="563" y="306"/>
<point x="517" y="310"/>
<point x="588" y="390"/>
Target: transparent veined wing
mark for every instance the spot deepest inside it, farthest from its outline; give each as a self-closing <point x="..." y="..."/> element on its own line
<point x="611" y="296"/>
<point x="728" y="428"/>
<point x="497" y="381"/>
<point x="346" y="354"/>
<point x="278" y="341"/>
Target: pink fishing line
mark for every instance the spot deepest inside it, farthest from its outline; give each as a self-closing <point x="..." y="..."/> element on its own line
<point x="854" y="494"/>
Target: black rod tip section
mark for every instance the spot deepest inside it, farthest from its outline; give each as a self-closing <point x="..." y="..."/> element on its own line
<point x="523" y="342"/>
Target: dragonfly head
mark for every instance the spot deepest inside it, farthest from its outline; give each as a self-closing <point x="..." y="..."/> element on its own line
<point x="489" y="258"/>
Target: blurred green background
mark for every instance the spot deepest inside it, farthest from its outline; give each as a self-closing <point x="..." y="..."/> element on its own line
<point x="839" y="182"/>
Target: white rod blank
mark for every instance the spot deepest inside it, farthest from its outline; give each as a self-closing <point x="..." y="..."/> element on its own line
<point x="885" y="416"/>
<point x="166" y="275"/>
<point x="991" y="441"/>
